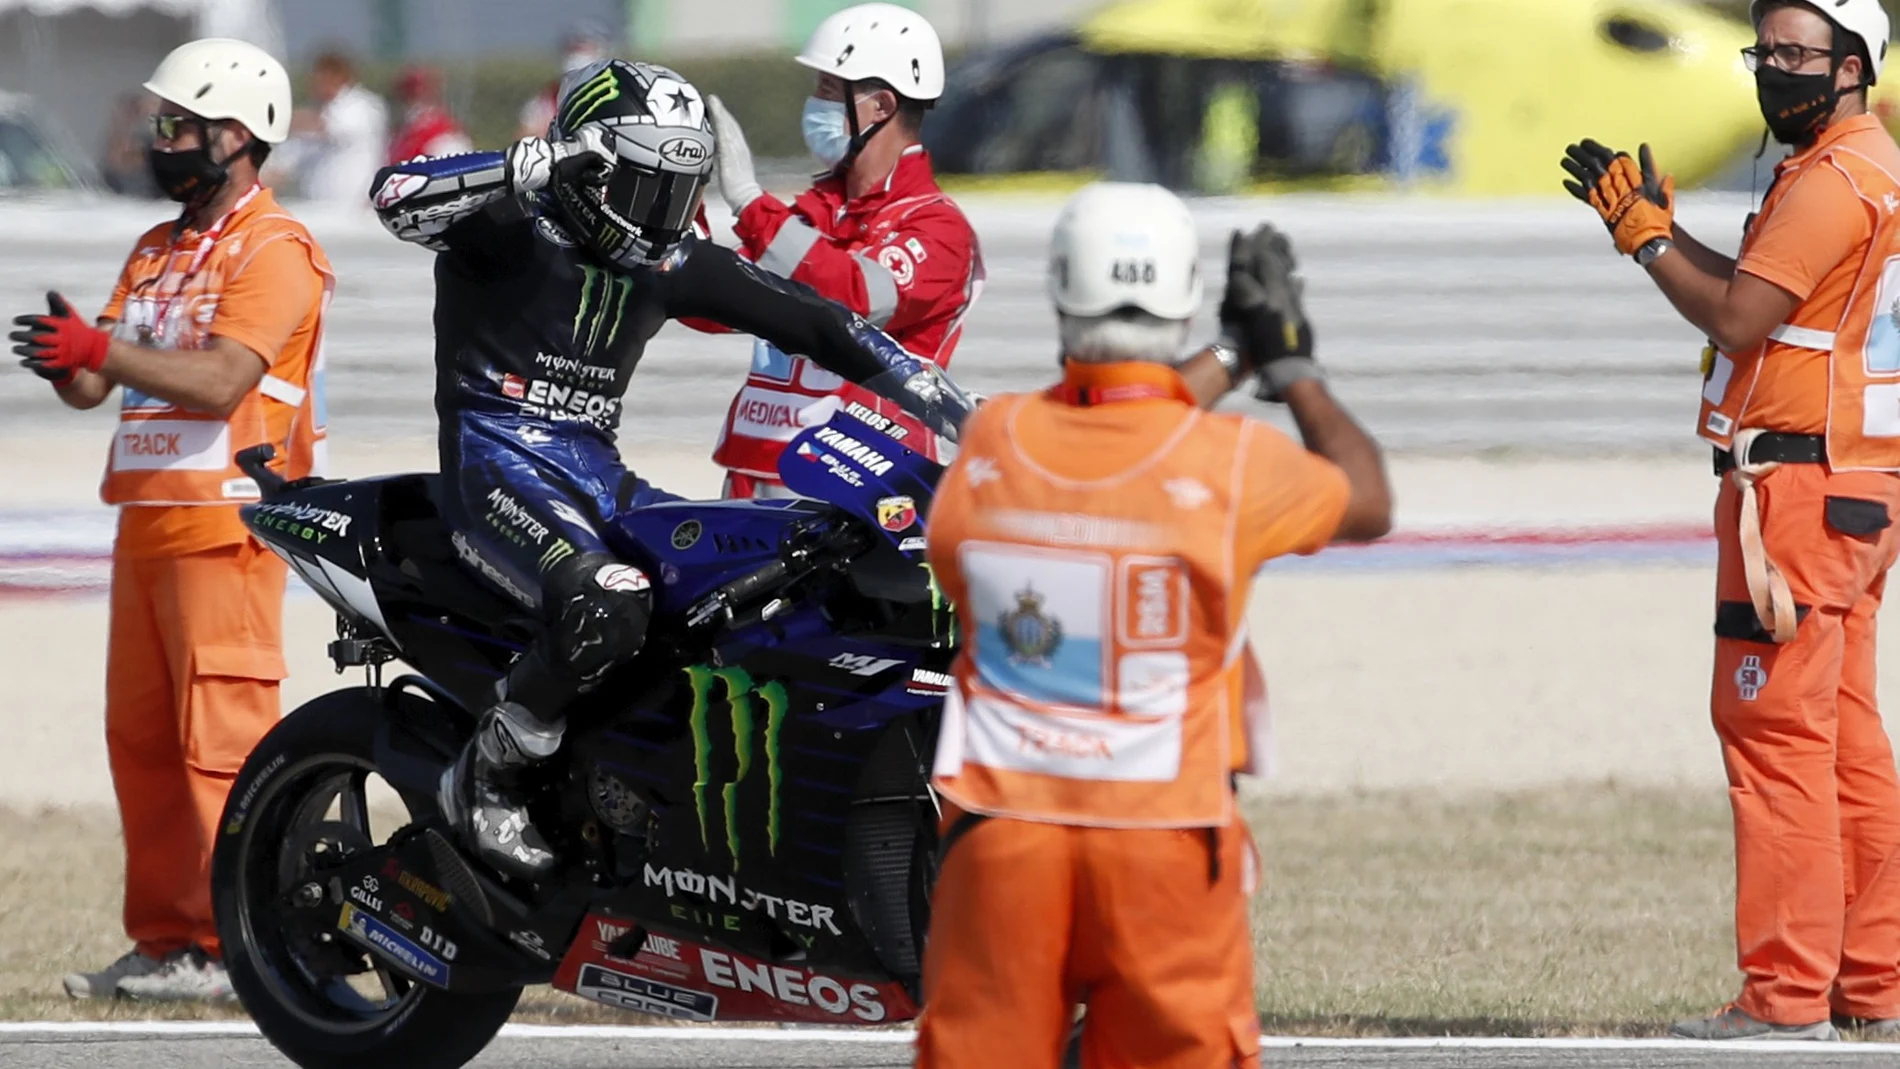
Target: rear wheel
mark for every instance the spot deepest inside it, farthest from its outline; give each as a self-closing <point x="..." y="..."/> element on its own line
<point x="300" y="805"/>
<point x="890" y="858"/>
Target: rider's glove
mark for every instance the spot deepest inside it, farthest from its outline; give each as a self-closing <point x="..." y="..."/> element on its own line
<point x="925" y="386"/>
<point x="738" y="180"/>
<point x="1636" y="205"/>
<point x="533" y="162"/>
<point x="1261" y="311"/>
<point x="58" y="345"/>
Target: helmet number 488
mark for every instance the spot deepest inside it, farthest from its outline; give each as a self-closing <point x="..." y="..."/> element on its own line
<point x="1133" y="271"/>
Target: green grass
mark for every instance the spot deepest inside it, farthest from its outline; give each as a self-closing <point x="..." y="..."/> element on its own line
<point x="1581" y="911"/>
<point x="1596" y="910"/>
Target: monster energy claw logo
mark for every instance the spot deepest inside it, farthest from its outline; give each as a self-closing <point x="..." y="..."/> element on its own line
<point x="603" y="300"/>
<point x="588" y="97"/>
<point x="740" y="693"/>
<point x="943" y="615"/>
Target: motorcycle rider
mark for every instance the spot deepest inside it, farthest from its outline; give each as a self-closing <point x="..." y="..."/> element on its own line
<point x="558" y="259"/>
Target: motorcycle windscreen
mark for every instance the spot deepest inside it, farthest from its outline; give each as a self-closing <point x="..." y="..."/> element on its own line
<point x="847" y="463"/>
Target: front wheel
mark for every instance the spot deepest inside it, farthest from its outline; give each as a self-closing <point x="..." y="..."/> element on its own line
<point x="301" y="802"/>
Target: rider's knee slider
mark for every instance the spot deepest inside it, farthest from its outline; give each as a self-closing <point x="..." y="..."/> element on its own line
<point x="601" y="610"/>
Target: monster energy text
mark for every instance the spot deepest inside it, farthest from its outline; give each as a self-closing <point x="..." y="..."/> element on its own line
<point x="508" y="518"/>
<point x="726" y="890"/>
<point x="603" y="300"/>
<point x="740" y="695"/>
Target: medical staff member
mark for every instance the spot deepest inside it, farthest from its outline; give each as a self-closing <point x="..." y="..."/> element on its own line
<point x="875" y="234"/>
<point x="1100" y="540"/>
<point x="1801" y="402"/>
<point x="214" y="335"/>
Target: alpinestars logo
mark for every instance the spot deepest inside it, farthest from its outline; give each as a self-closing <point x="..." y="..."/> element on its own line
<point x="719" y="790"/>
<point x="603" y="299"/>
<point x="588" y="97"/>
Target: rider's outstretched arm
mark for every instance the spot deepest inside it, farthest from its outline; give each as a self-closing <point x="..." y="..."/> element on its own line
<point x="708" y="281"/>
<point x="419" y="200"/>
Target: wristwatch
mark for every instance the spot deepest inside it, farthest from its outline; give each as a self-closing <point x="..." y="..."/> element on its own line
<point x="1652" y="249"/>
<point x="1229" y="358"/>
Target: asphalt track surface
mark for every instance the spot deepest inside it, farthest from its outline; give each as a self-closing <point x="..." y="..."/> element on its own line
<point x="162" y="1046"/>
<point x="1447" y="326"/>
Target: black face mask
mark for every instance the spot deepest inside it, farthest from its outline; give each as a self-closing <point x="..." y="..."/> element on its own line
<point x="190" y="176"/>
<point x="1796" y="106"/>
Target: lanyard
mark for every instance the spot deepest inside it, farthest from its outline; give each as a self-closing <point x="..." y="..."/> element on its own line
<point x="1108" y="395"/>
<point x="163" y="304"/>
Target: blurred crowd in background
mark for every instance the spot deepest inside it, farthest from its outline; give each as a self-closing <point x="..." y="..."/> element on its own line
<point x="344" y="131"/>
<point x="1204" y="96"/>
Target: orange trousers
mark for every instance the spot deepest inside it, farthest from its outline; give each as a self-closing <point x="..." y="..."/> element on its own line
<point x="193" y="661"/>
<point x="1148" y="928"/>
<point x="1810" y="770"/>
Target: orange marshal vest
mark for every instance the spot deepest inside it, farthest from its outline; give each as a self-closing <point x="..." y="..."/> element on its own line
<point x="1105" y="678"/>
<point x="1862" y="343"/>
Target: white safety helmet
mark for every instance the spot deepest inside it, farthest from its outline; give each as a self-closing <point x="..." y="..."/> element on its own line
<point x="1121" y="245"/>
<point x="892" y="44"/>
<point x="1865" y="19"/>
<point x="222" y="78"/>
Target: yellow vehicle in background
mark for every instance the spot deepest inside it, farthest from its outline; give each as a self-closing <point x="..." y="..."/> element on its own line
<point x="1462" y="96"/>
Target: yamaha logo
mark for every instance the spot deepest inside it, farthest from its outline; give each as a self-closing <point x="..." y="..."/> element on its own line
<point x="684" y="151"/>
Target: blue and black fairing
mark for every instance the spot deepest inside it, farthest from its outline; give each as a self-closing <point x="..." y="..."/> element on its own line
<point x="693" y="548"/>
<point x="861" y="488"/>
<point x="376" y="550"/>
<point x="325" y="531"/>
<point x="852" y="465"/>
<point x="857" y="467"/>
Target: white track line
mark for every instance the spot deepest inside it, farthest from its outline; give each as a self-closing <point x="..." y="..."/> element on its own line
<point x="831" y="1035"/>
<point x="1781" y="1046"/>
<point x="128" y="1028"/>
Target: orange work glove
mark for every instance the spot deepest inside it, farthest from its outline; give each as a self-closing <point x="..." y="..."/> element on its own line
<point x="1635" y="204"/>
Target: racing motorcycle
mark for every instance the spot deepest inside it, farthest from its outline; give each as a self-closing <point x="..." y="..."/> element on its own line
<point x="742" y="812"/>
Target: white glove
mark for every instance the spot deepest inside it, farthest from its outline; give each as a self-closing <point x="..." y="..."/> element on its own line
<point x="738" y="180"/>
<point x="533" y="160"/>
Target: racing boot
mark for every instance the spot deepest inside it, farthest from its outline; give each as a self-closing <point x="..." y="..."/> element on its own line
<point x="481" y="791"/>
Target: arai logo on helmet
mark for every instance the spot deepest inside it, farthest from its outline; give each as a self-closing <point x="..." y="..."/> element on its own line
<point x="683" y="151"/>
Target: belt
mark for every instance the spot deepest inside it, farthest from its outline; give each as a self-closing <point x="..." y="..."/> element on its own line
<point x="1774" y="447"/>
<point x="1757" y="453"/>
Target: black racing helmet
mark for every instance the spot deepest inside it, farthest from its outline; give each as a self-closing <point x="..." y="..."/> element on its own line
<point x="655" y="124"/>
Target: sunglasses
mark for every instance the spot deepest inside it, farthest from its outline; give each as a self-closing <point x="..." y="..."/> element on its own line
<point x="168" y="127"/>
